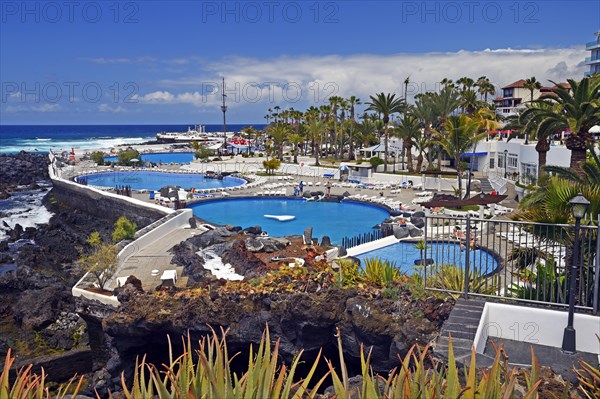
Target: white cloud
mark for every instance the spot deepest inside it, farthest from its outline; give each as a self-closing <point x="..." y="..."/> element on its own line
<point x="301" y="81"/>
<point x="43" y="108"/>
<point x="119" y="60"/>
<point x="107" y="108"/>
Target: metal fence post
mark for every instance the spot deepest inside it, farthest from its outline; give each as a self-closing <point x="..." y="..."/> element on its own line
<point x="596" y="299"/>
<point x="467" y="249"/>
<point x="427" y="219"/>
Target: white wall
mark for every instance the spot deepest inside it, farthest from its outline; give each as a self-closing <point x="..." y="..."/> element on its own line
<point x="538" y="326"/>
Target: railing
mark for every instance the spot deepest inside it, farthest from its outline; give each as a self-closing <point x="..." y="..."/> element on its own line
<point x="520" y="261"/>
<point x="589" y="45"/>
<point x="349" y="242"/>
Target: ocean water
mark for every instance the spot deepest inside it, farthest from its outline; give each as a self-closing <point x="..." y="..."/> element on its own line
<point x="43" y="138"/>
<point x="24" y="208"/>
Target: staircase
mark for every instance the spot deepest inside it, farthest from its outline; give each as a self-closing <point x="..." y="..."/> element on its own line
<point x="462" y="327"/>
<point x="486" y="186"/>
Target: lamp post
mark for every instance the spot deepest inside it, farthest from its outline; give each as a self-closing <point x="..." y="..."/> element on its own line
<point x="579" y="205"/>
<point x="505" y="163"/>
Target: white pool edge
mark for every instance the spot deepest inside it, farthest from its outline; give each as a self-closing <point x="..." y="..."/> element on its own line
<point x="535" y="325"/>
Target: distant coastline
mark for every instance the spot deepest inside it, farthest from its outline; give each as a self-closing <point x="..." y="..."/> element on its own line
<point x="43" y="138"/>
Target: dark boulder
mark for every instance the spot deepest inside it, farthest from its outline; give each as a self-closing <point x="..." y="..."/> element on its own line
<point x="326" y="241"/>
<point x="242" y="260"/>
<point x="255" y="230"/>
<point x="418" y="222"/>
<point x="419" y="214"/>
<point x="273" y="244"/>
<point x="37" y="309"/>
<point x="254" y="245"/>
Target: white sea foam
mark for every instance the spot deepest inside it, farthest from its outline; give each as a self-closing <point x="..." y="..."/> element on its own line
<point x="45" y="145"/>
<point x="216" y="266"/>
<point x="24" y="208"/>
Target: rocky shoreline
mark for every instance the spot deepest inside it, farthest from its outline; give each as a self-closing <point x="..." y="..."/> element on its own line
<point x="37" y="310"/>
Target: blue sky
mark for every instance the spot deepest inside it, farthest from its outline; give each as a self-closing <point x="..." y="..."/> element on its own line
<point x="159" y="62"/>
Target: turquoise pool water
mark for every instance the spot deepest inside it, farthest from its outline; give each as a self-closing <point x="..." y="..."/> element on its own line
<point x="139" y="180"/>
<point x="405" y="254"/>
<point x="336" y="220"/>
<point x="162" y="157"/>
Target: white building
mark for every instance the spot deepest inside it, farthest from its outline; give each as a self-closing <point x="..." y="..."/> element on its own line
<point x="515" y="95"/>
<point x="594" y="59"/>
<point x="515" y="159"/>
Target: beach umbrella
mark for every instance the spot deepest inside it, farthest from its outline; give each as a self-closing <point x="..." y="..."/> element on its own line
<point x="135" y="160"/>
<point x="595" y="129"/>
<point x="344" y="167"/>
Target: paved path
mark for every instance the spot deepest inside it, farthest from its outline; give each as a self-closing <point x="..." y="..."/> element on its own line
<point x="155" y="257"/>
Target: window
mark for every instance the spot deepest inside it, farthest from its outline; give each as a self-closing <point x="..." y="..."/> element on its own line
<point x="528" y="173"/>
<point x="507" y="92"/>
<point x="501" y="161"/>
<point x="513" y="161"/>
<point x="492" y="160"/>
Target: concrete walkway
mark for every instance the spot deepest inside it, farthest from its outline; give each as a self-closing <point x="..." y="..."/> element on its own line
<point x="155" y="257"/>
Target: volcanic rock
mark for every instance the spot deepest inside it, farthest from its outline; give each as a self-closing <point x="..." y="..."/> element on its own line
<point x="243" y="261"/>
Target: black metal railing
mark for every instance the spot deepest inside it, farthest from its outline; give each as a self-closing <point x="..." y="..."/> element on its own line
<point x="349" y="242"/>
<point x="514" y="260"/>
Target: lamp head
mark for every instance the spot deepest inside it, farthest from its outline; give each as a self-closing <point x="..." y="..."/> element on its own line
<point x="579" y="205"/>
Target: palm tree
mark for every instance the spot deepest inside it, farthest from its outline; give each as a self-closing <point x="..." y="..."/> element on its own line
<point x="466" y="83"/>
<point x="485" y="87"/>
<point x="386" y="105"/>
<point x="295" y="139"/>
<point x="422" y="145"/>
<point x="316" y="126"/>
<point x="343" y="108"/>
<point x="409" y="130"/>
<point x="577" y="110"/>
<point x="279" y="132"/>
<point x="459" y="135"/>
<point x="532" y="84"/>
<point x="528" y="126"/>
<point x="468" y="101"/>
<point x="353" y="101"/>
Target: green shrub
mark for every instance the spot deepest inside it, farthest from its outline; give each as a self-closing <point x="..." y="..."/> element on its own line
<point x="125" y="157"/>
<point x="202" y="153"/>
<point x="271" y="165"/>
<point x="376" y="161"/>
<point x="97" y="157"/>
<point x="392" y="293"/>
<point x="124" y="229"/>
<point x="349" y="274"/>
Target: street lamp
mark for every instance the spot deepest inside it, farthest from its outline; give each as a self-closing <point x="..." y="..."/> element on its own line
<point x="505" y="163"/>
<point x="579" y="205"/>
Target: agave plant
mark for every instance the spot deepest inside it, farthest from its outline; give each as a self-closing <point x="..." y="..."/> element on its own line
<point x="211" y="377"/>
<point x="381" y="272"/>
<point x="452" y="278"/>
<point x="26" y="384"/>
<point x="412" y="379"/>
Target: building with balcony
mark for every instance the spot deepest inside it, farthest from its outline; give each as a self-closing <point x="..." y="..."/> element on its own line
<point x="515" y="95"/>
<point x="594" y="59"/>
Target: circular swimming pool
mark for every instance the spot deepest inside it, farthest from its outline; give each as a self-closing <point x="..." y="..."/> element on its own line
<point x="336" y="220"/>
<point x="404" y="254"/>
<point x="162" y="157"/>
<point x="139" y="180"/>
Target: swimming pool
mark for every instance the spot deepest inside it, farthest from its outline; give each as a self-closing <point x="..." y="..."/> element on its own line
<point x="404" y="255"/>
<point x="162" y="157"/>
<point x="336" y="220"/>
<point x="139" y="180"/>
